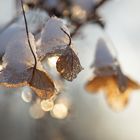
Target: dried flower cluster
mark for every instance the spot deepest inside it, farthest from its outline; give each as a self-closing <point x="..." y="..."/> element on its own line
<point x="109" y="77"/>
<point x="22" y="67"/>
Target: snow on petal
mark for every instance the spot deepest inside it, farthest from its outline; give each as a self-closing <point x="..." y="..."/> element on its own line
<point x="103" y="55"/>
<point x="7" y="36"/>
<point x="18" y="55"/>
<point x="17" y="58"/>
<point x="52" y="37"/>
<point x="36" y="20"/>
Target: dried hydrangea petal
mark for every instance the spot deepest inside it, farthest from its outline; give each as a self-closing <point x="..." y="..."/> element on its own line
<point x="96" y="84"/>
<point x="68" y="65"/>
<point x="116" y="98"/>
<point x="13" y="79"/>
<point x="118" y="102"/>
<point x="42" y="84"/>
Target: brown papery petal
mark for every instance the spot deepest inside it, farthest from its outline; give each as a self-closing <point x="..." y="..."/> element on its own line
<point x="112" y="84"/>
<point x="12" y="78"/>
<point x="117" y="102"/>
<point x="42" y="84"/>
<point x="117" y="99"/>
<point x="96" y="84"/>
<point x="68" y="65"/>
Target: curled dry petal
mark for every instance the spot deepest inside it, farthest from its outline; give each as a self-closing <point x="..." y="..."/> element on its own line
<point x="117" y="99"/>
<point x="42" y="84"/>
<point x="117" y="102"/>
<point x="96" y="84"/>
<point x="12" y="78"/>
<point x="68" y="65"/>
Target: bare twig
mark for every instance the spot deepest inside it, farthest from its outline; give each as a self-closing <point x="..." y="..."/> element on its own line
<point x="27" y="33"/>
<point x="67" y="35"/>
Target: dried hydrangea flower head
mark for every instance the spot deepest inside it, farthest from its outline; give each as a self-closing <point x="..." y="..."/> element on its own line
<point x="109" y="77"/>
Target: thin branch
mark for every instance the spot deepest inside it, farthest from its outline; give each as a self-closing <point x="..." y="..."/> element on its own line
<point x="67" y="35"/>
<point x="27" y="33"/>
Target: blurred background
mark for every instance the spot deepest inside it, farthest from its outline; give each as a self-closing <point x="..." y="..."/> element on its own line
<point x="86" y="116"/>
